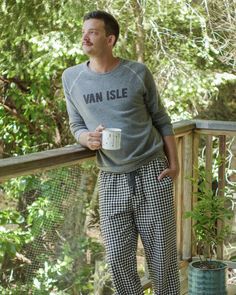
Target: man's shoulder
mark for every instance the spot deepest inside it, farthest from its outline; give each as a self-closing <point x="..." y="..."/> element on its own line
<point x="73" y="71"/>
<point x="136" y="67"/>
<point x="134" y="64"/>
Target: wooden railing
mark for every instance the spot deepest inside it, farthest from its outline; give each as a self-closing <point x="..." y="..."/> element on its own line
<point x="188" y="142"/>
<point x="188" y="134"/>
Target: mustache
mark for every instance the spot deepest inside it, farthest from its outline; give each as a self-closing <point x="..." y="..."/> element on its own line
<point x="86" y="43"/>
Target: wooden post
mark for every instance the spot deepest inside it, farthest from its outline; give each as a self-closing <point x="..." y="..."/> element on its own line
<point x="178" y="192"/>
<point x="209" y="161"/>
<point x="221" y="186"/>
<point x="195" y="176"/>
<point x="187" y="194"/>
<point x="209" y="151"/>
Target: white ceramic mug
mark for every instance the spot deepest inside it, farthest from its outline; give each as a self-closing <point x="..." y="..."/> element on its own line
<point x="111" y="138"/>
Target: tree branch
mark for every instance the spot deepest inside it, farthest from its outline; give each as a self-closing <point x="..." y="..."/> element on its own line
<point x="20" y="84"/>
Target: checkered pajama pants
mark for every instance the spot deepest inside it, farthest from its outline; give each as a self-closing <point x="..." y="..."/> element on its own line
<point x="137" y="203"/>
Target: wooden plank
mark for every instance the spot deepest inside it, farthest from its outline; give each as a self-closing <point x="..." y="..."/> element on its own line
<point x="208" y="169"/>
<point x="221" y="186"/>
<point x="206" y="126"/>
<point x="182" y="134"/>
<point x="216" y="125"/>
<point x="196" y="139"/>
<point x="187" y="195"/>
<point x="209" y="141"/>
<point x="178" y="192"/>
<point x="32" y="163"/>
<point x="35" y="162"/>
<point x="222" y="154"/>
<point x="215" y="132"/>
<point x="184" y="126"/>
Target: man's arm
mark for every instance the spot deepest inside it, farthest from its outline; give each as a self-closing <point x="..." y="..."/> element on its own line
<point x="160" y="118"/>
<point x="76" y="122"/>
<point x="172" y="156"/>
<point x="162" y="122"/>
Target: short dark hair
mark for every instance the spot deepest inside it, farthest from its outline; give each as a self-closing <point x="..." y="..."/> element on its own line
<point x="111" y="24"/>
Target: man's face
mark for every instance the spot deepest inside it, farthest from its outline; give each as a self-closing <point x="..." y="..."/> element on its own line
<point x="94" y="39"/>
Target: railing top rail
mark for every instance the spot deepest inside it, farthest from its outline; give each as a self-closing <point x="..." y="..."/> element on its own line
<point x="215" y="125"/>
<point x="184" y="126"/>
<point x="26" y="164"/>
<point x="35" y="162"/>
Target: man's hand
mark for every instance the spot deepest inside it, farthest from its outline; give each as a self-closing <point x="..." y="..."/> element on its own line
<point x="93" y="139"/>
<point x="171" y="154"/>
<point x="171" y="172"/>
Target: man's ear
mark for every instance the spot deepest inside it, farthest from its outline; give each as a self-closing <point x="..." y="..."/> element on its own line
<point x="111" y="40"/>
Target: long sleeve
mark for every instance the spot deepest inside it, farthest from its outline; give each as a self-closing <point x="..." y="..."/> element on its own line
<point x="160" y="118"/>
<point x="76" y="122"/>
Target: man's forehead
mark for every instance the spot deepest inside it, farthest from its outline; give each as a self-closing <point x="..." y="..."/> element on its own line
<point x="93" y="23"/>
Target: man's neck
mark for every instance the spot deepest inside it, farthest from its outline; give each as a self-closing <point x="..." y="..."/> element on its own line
<point x="104" y="64"/>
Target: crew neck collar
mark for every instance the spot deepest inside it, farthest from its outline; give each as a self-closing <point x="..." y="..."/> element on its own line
<point x="106" y="73"/>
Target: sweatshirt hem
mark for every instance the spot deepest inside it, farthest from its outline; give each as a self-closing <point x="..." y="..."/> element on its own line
<point x="132" y="166"/>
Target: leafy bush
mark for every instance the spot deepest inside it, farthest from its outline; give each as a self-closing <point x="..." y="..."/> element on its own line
<point x="12" y="235"/>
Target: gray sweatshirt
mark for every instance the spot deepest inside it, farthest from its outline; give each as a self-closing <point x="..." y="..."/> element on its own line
<point x="124" y="98"/>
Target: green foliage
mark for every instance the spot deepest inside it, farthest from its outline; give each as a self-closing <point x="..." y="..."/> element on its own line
<point x="16" y="290"/>
<point x="148" y="292"/>
<point x="186" y="44"/>
<point x="15" y="187"/>
<point x="53" y="208"/>
<point x="35" y="50"/>
<point x="64" y="275"/>
<point x="209" y="209"/>
<point x="181" y="43"/>
<point x="12" y="236"/>
<point x="43" y="215"/>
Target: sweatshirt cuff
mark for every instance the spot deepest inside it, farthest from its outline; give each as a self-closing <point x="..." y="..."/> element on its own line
<point x="167" y="130"/>
<point x="78" y="133"/>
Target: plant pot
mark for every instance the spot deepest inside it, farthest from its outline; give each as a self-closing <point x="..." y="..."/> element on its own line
<point x="207" y="281"/>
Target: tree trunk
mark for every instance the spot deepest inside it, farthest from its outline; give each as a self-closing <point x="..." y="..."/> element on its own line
<point x="140" y="40"/>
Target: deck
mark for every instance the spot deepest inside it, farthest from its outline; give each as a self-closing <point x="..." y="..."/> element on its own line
<point x="189" y="137"/>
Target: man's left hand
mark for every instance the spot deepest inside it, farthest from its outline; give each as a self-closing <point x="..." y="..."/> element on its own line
<point x="171" y="172"/>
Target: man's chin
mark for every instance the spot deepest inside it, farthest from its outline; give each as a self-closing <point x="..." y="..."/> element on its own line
<point x="87" y="50"/>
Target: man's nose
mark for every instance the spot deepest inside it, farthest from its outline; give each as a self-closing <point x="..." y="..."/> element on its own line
<point x="85" y="36"/>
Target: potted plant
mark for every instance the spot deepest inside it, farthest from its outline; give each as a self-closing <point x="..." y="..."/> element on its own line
<point x="208" y="276"/>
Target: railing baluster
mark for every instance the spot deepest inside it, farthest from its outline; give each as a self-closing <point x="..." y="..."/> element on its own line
<point x="209" y="141"/>
<point x="196" y="139"/>
<point x="209" y="156"/>
<point x="187" y="194"/>
<point x="221" y="185"/>
<point x="178" y="189"/>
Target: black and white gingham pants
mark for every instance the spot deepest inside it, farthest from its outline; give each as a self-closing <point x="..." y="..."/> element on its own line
<point x="137" y="203"/>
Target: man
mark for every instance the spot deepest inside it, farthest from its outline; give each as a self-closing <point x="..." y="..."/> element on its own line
<point x="135" y="182"/>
